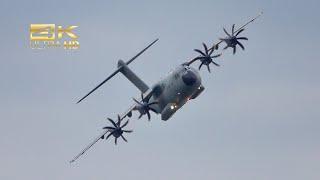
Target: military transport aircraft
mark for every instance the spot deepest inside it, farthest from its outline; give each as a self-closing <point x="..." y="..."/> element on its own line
<point x="169" y="94"/>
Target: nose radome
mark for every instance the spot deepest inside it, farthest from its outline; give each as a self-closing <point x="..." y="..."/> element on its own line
<point x="189" y="78"/>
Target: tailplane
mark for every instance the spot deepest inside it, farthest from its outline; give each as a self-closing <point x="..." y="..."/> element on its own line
<point x="124" y="69"/>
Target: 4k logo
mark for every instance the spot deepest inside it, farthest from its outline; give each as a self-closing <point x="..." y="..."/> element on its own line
<point x="48" y="35"/>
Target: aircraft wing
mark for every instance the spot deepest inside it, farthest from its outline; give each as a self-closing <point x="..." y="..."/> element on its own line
<point x="89" y="146"/>
<point x="122" y="116"/>
<point x="215" y="46"/>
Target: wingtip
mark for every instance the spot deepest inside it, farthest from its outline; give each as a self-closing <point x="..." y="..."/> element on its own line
<point x="81" y="99"/>
<point x="157" y="39"/>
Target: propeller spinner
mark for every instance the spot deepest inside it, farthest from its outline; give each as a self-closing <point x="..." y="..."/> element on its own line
<point x="206" y="57"/>
<point x="144" y="107"/>
<point x="116" y="130"/>
<point x="232" y="40"/>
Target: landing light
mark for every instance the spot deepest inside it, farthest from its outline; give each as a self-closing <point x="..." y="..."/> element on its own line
<point x="174" y="106"/>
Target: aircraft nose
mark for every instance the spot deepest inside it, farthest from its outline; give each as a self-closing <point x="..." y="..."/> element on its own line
<point x="189" y="78"/>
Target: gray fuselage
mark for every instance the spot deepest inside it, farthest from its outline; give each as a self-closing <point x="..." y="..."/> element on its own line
<point x="172" y="92"/>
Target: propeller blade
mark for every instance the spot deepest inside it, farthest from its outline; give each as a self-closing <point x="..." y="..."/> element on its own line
<point x="240" y="31"/>
<point x="148" y="115"/>
<point x="152" y="103"/>
<point x="115" y="141"/>
<point x="124" y="125"/>
<point x="242" y="38"/>
<point x="234" y="49"/>
<point x="215" y="56"/>
<point x="226" y="32"/>
<point x="124" y="138"/>
<point x="152" y="109"/>
<point x="128" y="131"/>
<point x="216" y="64"/>
<point x="198" y="58"/>
<point x="241" y="45"/>
<point x="211" y="50"/>
<point x="233" y="29"/>
<point x="208" y="68"/>
<point x="205" y="48"/>
<point x="119" y="121"/>
<point x="137" y="101"/>
<point x="108" y="127"/>
<point x="109" y="135"/>
<point x="113" y="123"/>
<point x="197" y="50"/>
<point x="200" y="65"/>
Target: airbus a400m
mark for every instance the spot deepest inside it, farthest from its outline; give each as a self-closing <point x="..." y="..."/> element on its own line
<point x="169" y="94"/>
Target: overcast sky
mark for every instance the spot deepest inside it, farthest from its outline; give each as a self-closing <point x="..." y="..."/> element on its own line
<point x="258" y="118"/>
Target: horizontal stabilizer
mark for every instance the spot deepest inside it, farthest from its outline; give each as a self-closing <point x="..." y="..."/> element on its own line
<point x="118" y="70"/>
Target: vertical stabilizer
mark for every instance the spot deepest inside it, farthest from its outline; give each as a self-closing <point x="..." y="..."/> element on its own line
<point x="126" y="71"/>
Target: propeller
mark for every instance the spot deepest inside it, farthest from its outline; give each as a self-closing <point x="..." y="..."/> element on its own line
<point x="144" y="107"/>
<point x="206" y="57"/>
<point x="232" y="40"/>
<point x="116" y="130"/>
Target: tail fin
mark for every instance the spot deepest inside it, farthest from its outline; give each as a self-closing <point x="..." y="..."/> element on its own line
<point x="135" y="80"/>
<point x="126" y="71"/>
